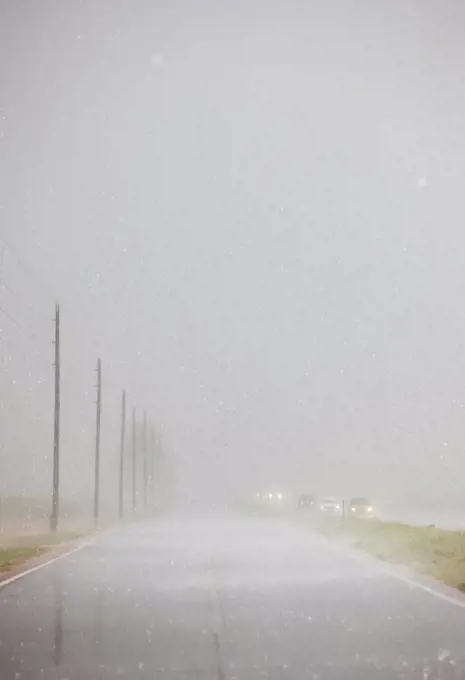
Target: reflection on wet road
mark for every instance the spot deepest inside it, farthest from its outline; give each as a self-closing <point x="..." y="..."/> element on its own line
<point x="223" y="599"/>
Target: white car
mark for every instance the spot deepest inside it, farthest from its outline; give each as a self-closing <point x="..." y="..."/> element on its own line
<point x="330" y="506"/>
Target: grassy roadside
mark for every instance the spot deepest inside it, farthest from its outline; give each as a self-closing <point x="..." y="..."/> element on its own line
<point x="436" y="552"/>
<point x="14" y="557"/>
<point x="15" y="551"/>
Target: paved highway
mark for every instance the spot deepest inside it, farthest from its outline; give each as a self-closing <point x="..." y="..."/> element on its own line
<point x="225" y="599"/>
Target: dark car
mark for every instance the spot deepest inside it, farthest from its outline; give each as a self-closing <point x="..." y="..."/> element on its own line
<point x="360" y="507"/>
<point x="307" y="500"/>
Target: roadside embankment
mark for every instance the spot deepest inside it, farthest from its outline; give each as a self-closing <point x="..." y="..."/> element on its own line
<point x="25" y="538"/>
<point x="436" y="552"/>
<point x="16" y="551"/>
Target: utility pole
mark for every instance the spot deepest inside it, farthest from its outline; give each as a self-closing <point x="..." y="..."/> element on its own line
<point x="97" y="445"/>
<point x="56" y="428"/>
<point x="121" y="456"/>
<point x="145" y="458"/>
<point x="152" y="465"/>
<point x="2" y="339"/>
<point x="133" y="459"/>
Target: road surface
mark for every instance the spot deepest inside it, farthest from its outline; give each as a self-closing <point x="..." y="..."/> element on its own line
<point x="224" y="599"/>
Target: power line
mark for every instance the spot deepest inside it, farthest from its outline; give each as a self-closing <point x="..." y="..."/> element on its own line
<point x="10" y="318"/>
<point x="68" y="390"/>
<point x="30" y="359"/>
<point x="21" y="328"/>
<point x="26" y="268"/>
<point x="21" y="299"/>
<point x="5" y="285"/>
<point x="71" y="326"/>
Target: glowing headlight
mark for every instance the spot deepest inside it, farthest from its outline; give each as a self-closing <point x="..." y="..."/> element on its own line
<point x="353" y="509"/>
<point x="270" y="496"/>
<point x="279" y="496"/>
<point x="338" y="507"/>
<point x="370" y="509"/>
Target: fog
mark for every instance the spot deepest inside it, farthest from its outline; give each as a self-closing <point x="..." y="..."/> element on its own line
<point x="253" y="215"/>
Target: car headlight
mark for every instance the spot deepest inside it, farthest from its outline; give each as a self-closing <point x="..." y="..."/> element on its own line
<point x="352" y="509"/>
<point x="338" y="507"/>
<point x="279" y="496"/>
<point x="370" y="509"/>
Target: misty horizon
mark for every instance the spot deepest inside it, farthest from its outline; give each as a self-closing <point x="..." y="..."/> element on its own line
<point x="254" y="219"/>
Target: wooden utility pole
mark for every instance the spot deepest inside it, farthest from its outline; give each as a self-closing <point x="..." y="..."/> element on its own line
<point x="97" y="445"/>
<point x="145" y="458"/>
<point x="121" y="455"/>
<point x="56" y="429"/>
<point x="134" y="481"/>
<point x="152" y="465"/>
<point x="2" y="254"/>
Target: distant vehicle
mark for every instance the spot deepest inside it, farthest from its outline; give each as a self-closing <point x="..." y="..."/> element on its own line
<point x="360" y="507"/>
<point x="307" y="500"/>
<point x="330" y="506"/>
<point x="271" y="496"/>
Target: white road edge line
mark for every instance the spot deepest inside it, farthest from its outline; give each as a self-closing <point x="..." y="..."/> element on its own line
<point x="421" y="586"/>
<point x="370" y="560"/>
<point x="23" y="574"/>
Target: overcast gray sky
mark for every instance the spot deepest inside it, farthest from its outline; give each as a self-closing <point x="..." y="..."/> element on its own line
<point x="254" y="213"/>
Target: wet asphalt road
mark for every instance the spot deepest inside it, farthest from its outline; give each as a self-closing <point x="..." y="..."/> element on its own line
<point x="222" y="600"/>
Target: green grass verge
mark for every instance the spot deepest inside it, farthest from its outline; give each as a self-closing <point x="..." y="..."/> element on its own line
<point x="15" y="551"/>
<point x="13" y="557"/>
<point x="432" y="551"/>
